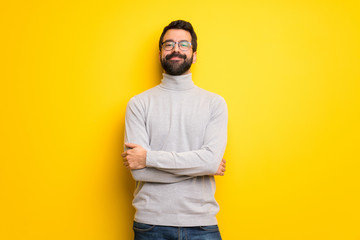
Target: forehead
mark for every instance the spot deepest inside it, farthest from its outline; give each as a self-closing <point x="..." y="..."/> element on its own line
<point x="177" y="35"/>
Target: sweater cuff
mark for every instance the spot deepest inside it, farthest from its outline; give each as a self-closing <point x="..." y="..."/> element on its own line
<point x="149" y="159"/>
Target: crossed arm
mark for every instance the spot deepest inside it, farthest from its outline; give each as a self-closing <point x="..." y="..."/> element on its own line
<point x="167" y="167"/>
<point x="135" y="158"/>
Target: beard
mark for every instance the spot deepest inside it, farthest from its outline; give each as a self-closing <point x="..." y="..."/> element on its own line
<point x="175" y="67"/>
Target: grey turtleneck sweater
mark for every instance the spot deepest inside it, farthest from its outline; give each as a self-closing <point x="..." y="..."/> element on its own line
<point x="184" y="130"/>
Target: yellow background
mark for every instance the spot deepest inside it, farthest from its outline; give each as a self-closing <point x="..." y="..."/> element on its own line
<point x="289" y="71"/>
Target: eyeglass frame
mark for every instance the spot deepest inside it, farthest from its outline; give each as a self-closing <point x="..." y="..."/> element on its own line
<point x="162" y="44"/>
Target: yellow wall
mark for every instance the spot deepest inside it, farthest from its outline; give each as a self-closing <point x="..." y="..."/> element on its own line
<point x="289" y="71"/>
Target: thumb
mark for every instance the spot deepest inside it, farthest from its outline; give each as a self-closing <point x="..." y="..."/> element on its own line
<point x="131" y="145"/>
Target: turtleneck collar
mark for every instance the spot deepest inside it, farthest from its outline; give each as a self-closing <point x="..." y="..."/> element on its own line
<point x="177" y="83"/>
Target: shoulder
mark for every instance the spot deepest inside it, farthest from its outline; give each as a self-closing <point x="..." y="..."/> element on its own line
<point x="147" y="93"/>
<point x="143" y="97"/>
<point x="214" y="98"/>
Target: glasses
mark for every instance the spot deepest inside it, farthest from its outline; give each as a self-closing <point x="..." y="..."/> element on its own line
<point x="169" y="45"/>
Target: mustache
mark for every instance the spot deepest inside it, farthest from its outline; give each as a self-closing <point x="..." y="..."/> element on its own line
<point x="175" y="54"/>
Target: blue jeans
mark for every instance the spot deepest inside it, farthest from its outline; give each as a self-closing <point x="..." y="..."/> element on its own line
<point x="155" y="232"/>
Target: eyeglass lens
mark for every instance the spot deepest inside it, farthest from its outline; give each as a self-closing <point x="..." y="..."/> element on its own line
<point x="183" y="45"/>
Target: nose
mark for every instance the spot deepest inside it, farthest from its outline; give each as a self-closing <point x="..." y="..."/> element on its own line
<point x="176" y="48"/>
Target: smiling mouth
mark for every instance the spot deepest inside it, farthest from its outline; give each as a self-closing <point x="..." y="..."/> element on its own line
<point x="176" y="59"/>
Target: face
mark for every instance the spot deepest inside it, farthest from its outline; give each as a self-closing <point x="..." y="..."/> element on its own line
<point x="177" y="61"/>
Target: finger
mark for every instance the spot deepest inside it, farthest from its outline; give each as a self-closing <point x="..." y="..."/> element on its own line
<point x="124" y="154"/>
<point x="131" y="145"/>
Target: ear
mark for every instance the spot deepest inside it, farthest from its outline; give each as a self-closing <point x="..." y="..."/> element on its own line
<point x="194" y="57"/>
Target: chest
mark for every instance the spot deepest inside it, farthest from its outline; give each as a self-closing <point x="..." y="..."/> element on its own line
<point x="177" y="118"/>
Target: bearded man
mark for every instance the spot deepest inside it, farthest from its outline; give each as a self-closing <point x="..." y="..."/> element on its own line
<point x="175" y="139"/>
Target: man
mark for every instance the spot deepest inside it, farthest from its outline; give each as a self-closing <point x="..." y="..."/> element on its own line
<point x="175" y="138"/>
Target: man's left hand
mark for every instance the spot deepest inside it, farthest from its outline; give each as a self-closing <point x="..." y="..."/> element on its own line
<point x="134" y="158"/>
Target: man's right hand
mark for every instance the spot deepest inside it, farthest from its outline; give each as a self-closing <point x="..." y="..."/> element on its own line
<point x="221" y="169"/>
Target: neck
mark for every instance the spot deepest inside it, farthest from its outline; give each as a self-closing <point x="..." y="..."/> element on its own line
<point x="180" y="82"/>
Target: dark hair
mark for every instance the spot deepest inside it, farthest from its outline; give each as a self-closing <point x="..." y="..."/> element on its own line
<point x="181" y="24"/>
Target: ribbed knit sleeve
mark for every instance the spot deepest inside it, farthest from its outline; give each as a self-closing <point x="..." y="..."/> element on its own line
<point x="203" y="161"/>
<point x="135" y="132"/>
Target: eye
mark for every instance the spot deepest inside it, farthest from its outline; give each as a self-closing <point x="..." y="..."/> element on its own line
<point x="184" y="44"/>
